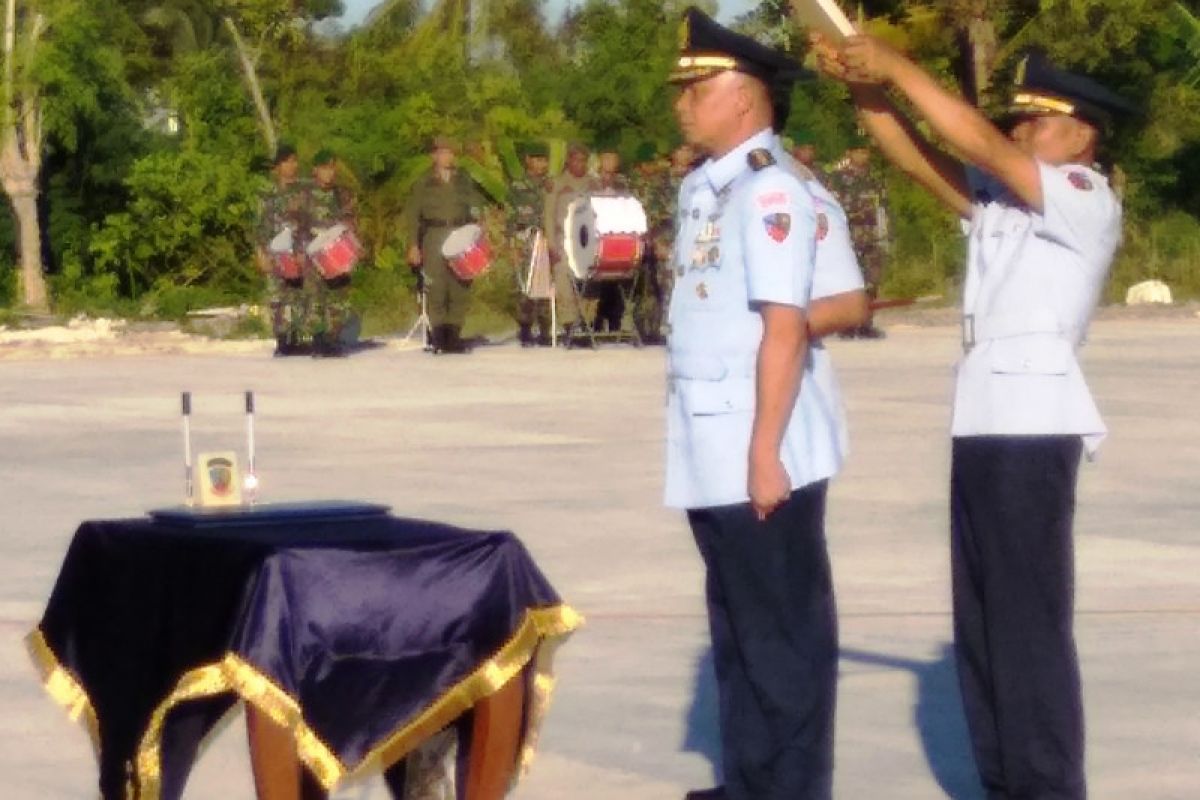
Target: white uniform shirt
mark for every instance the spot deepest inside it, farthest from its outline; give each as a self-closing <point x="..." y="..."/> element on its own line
<point x="744" y="237"/>
<point x="1033" y="282"/>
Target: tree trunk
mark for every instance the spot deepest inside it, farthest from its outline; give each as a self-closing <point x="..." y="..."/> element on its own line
<point x="33" y="282"/>
<point x="21" y="161"/>
<point x="251" y="76"/>
<point x="978" y="48"/>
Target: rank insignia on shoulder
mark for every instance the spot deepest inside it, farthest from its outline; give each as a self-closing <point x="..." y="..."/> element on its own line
<point x="760" y="159"/>
<point x="1080" y="181"/>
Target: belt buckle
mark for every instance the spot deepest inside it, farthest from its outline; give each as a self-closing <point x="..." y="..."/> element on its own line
<point x="968" y="332"/>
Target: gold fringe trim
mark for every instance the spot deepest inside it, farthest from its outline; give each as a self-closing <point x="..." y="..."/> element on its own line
<point x="206" y="681"/>
<point x="63" y="687"/>
<point x="264" y="694"/>
<point x="539" y="624"/>
<point x="539" y="634"/>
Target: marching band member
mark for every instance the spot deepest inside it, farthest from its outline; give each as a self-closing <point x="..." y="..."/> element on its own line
<point x="443" y="199"/>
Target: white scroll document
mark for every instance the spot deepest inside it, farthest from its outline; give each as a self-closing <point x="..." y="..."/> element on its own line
<point x="824" y="17"/>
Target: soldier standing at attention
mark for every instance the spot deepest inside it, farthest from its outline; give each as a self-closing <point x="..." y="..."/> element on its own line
<point x="572" y="183"/>
<point x="443" y="199"/>
<point x="1044" y="226"/>
<point x="279" y="234"/>
<point x="329" y="204"/>
<point x="527" y="201"/>
<point x="754" y="423"/>
<point x="610" y="181"/>
<point x="861" y="193"/>
<point x="652" y="186"/>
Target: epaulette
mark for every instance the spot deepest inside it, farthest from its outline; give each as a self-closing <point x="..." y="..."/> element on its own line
<point x="760" y="159"/>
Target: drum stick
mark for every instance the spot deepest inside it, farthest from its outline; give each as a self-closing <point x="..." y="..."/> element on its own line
<point x="186" y="402"/>
<point x="251" y="475"/>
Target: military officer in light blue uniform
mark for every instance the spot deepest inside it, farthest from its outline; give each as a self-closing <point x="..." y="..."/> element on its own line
<point x="1043" y="227"/>
<point x="754" y="422"/>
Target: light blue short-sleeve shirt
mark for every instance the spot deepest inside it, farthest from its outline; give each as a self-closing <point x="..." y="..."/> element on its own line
<point x="744" y="237"/>
<point x="1033" y="282"/>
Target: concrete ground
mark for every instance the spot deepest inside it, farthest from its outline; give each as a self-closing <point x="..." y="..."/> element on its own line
<point x="565" y="448"/>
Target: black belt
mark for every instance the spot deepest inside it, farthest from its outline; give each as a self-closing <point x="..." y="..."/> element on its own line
<point x="444" y="223"/>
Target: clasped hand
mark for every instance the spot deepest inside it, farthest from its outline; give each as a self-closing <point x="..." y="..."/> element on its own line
<point x="859" y="59"/>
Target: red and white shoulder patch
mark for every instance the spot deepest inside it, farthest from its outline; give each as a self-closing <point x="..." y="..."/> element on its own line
<point x="778" y="226"/>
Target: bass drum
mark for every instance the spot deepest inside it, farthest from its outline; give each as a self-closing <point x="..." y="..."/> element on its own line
<point x="605" y="237"/>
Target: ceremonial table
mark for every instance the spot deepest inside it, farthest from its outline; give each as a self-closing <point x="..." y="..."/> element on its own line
<point x="355" y="638"/>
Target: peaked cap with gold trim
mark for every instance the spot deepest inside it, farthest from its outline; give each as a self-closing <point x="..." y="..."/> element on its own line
<point x="1040" y="87"/>
<point x="707" y="48"/>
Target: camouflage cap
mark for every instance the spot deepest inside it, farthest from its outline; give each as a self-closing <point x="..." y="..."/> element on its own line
<point x="443" y="142"/>
<point x="324" y="156"/>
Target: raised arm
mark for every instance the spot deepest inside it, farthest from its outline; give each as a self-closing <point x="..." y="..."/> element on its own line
<point x="968" y="131"/>
<point x="940" y="173"/>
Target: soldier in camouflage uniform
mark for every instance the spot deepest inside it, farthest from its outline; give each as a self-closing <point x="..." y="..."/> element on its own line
<point x="527" y="207"/>
<point x="283" y="207"/>
<point x="861" y="192"/>
<point x="443" y="199"/>
<point x="327" y="205"/>
<point x="572" y="183"/>
<point x="650" y="186"/>
<point x="610" y="303"/>
<point x="661" y="198"/>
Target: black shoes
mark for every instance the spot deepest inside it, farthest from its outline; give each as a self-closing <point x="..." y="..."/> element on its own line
<point x="447" y="339"/>
<point x="716" y="793"/>
<point x="871" y="332"/>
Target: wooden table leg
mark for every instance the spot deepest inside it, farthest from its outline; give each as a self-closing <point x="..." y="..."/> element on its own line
<point x="495" y="739"/>
<point x="278" y="773"/>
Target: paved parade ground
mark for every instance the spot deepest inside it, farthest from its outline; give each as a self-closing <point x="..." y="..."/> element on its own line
<point x="566" y="448"/>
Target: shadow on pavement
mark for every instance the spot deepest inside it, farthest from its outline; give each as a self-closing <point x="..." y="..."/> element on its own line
<point x="938" y="716"/>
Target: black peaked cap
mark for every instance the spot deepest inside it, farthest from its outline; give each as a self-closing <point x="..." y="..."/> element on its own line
<point x="1040" y="87"/>
<point x="707" y="48"/>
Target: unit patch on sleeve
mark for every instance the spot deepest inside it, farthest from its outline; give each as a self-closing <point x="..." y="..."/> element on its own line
<point x="778" y="226"/>
<point x="822" y="226"/>
<point x="1080" y="181"/>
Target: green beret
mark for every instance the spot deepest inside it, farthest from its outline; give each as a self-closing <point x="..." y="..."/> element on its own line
<point x="324" y="156"/>
<point x="646" y="151"/>
<point x="533" y="149"/>
<point x="283" y="152"/>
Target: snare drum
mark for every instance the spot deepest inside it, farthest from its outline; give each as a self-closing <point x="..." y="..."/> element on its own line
<point x="287" y="266"/>
<point x="605" y="237"/>
<point x="335" y="251"/>
<point x="467" y="252"/>
<point x="283" y="256"/>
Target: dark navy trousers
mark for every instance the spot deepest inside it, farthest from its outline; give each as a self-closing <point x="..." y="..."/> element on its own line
<point x="1012" y="505"/>
<point x="774" y="635"/>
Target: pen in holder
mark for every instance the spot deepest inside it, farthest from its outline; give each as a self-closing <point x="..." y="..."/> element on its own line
<point x="251" y="480"/>
<point x="188" y="480"/>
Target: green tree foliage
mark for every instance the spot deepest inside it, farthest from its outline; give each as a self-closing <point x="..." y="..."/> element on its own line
<point x="138" y="215"/>
<point x="188" y="223"/>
